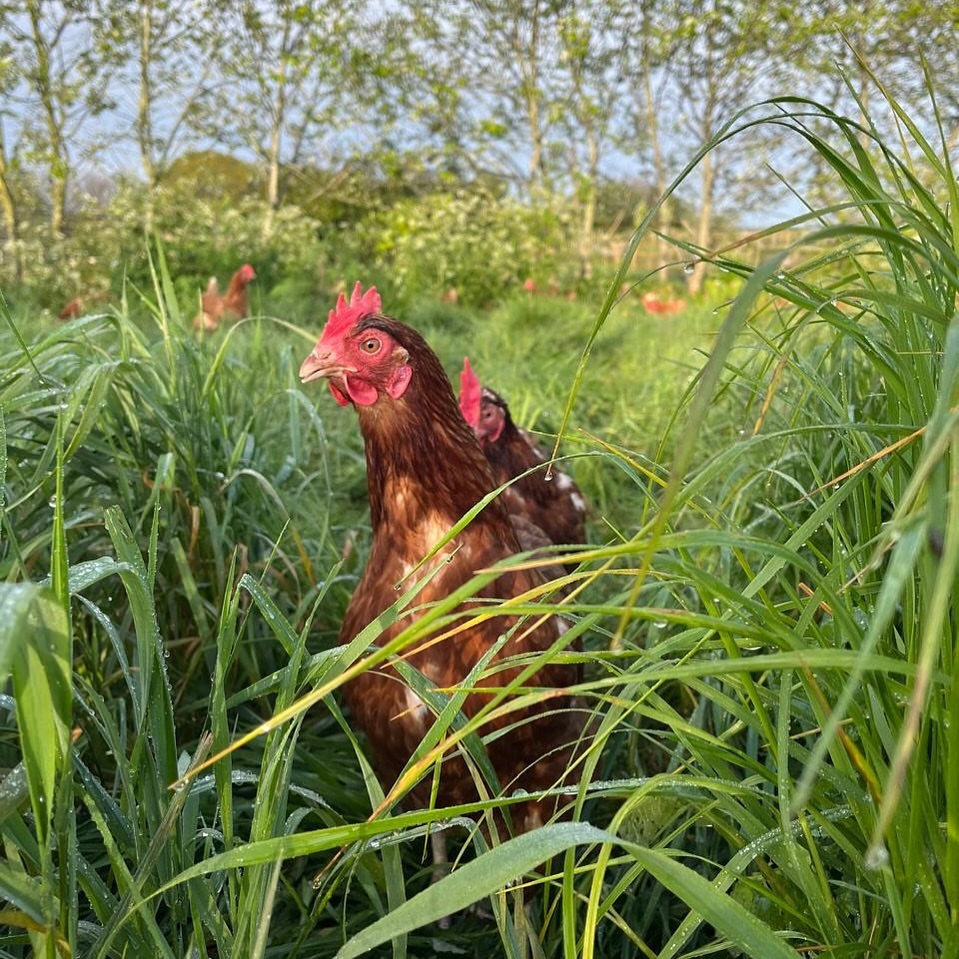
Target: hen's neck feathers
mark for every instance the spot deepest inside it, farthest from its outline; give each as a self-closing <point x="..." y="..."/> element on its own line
<point x="422" y="458"/>
<point x="512" y="449"/>
<point x="237" y="283"/>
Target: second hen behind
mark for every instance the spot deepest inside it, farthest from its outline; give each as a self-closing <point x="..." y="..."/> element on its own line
<point x="554" y="505"/>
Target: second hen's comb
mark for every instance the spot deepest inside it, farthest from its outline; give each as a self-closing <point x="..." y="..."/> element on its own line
<point x="344" y="314"/>
<point x="471" y="394"/>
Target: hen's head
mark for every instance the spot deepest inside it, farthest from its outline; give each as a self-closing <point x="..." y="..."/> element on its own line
<point x="358" y="354"/>
<point x="485" y="411"/>
<point x="246" y="273"/>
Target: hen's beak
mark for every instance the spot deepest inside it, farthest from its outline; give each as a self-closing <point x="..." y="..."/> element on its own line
<point x="318" y="364"/>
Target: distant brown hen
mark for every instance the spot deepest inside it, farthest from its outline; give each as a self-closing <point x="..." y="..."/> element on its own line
<point x="232" y="305"/>
<point x="81" y="304"/>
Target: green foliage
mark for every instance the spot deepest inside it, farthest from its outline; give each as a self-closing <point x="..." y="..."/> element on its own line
<point x="481" y="246"/>
<point x="212" y="235"/>
<point x="211" y="177"/>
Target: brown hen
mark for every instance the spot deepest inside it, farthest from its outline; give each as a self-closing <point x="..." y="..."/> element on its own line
<point x="232" y="305"/>
<point x="425" y="471"/>
<point x="554" y="505"/>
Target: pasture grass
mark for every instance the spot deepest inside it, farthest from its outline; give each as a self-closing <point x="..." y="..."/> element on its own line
<point x="768" y="617"/>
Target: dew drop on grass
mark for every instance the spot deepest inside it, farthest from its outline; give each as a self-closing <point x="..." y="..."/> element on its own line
<point x="13" y="783"/>
<point x="689" y="268"/>
<point x="877" y="857"/>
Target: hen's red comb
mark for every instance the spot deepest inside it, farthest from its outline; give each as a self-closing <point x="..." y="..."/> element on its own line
<point x="471" y="392"/>
<point x="344" y="315"/>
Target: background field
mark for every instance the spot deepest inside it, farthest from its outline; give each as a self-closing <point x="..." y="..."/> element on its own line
<point x="768" y="610"/>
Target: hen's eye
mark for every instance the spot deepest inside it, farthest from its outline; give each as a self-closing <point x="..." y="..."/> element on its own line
<point x="370" y="345"/>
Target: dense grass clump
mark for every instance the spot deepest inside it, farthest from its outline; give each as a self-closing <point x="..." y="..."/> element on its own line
<point x="768" y="615"/>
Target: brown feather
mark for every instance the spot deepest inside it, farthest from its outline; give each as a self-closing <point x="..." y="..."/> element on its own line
<point x="555" y="505"/>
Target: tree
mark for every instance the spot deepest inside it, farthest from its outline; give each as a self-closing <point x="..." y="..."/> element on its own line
<point x="588" y="101"/>
<point x="290" y="69"/>
<point x="712" y="56"/>
<point x="495" y="61"/>
<point x="836" y="44"/>
<point x="63" y="84"/>
<point x="644" y="63"/>
<point x="8" y="203"/>
<point x="171" y="59"/>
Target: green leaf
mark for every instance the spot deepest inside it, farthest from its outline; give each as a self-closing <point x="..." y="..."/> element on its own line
<point x="20" y="891"/>
<point x="34" y="648"/>
<point x="493" y="870"/>
<point x="716" y="907"/>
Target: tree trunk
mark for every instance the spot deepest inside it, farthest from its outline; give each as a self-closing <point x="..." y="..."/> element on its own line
<point x="58" y="156"/>
<point x="273" y="175"/>
<point x="529" y="60"/>
<point x="273" y="171"/>
<point x="144" y="124"/>
<point x="276" y="138"/>
<point x="10" y="221"/>
<point x="651" y="133"/>
<point x="589" y="202"/>
<point x="58" y="200"/>
<point x="536" y="137"/>
<point x="708" y="166"/>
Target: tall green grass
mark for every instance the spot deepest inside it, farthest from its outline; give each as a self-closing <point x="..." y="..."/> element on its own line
<point x="768" y="617"/>
<point x="812" y="567"/>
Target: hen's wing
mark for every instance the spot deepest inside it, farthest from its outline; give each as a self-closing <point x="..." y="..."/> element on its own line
<point x="555" y="505"/>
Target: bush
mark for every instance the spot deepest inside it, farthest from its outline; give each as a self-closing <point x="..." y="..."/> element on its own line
<point x="481" y="246"/>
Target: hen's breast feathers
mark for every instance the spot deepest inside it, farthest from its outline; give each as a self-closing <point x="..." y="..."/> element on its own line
<point x="394" y="718"/>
